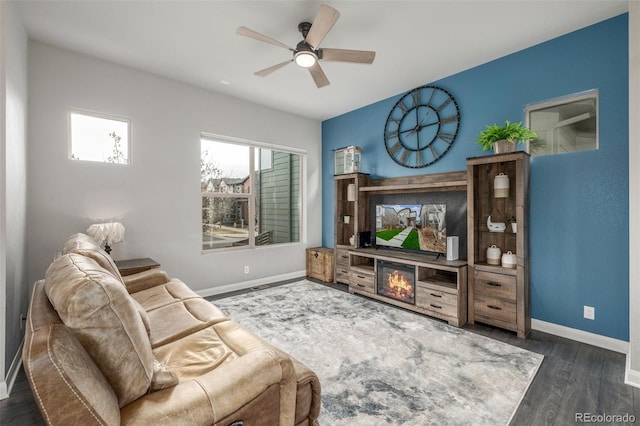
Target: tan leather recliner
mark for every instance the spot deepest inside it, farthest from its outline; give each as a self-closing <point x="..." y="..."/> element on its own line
<point x="101" y="349"/>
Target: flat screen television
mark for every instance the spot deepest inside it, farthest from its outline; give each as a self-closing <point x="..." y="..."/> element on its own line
<point x="419" y="227"/>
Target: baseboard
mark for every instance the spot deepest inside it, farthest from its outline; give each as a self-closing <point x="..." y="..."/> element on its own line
<point x="631" y="377"/>
<point x="14" y="369"/>
<point x="604" y="342"/>
<point x="248" y="284"/>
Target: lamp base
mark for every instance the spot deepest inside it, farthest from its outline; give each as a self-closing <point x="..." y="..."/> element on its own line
<point x="107" y="248"/>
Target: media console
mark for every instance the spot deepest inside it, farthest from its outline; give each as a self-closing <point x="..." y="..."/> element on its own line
<point x="434" y="287"/>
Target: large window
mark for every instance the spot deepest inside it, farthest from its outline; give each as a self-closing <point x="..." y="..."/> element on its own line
<point x="566" y="124"/>
<point x="98" y="137"/>
<point x="251" y="194"/>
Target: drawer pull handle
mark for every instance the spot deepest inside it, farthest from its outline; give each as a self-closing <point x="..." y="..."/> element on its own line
<point x="315" y="255"/>
<point x="361" y="276"/>
<point x="497" y="308"/>
<point x="435" y="306"/>
<point x="344" y="271"/>
<point x="344" y="257"/>
<point x="494" y="284"/>
<point x="360" y="285"/>
<point x="435" y="295"/>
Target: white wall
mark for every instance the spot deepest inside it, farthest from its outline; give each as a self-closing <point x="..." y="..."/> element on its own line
<point x="13" y="190"/>
<point x="157" y="196"/>
<point x="633" y="359"/>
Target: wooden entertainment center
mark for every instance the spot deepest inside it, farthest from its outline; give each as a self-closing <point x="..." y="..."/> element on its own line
<point x="457" y="291"/>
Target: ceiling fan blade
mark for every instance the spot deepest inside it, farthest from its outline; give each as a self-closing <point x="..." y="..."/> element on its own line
<point x="247" y="32"/>
<point x="322" y="24"/>
<point x="265" y="72"/>
<point x="318" y="75"/>
<point x="347" y="55"/>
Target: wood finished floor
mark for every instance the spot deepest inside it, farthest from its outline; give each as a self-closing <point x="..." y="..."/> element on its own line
<point x="573" y="378"/>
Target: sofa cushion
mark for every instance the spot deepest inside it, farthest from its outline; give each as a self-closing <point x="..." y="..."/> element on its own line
<point x="97" y="308"/>
<point x="87" y="246"/>
<point x="164" y="294"/>
<point x="195" y="354"/>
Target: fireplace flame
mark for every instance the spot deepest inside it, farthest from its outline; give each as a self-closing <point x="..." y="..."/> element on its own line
<point x="399" y="285"/>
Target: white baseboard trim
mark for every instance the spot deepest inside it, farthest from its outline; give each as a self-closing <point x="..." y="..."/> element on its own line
<point x="248" y="284"/>
<point x="605" y="342"/>
<point x="14" y="368"/>
<point x="631" y="377"/>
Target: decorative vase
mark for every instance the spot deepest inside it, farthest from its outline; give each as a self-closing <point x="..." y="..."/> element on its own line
<point x="503" y="145"/>
<point x="514" y="227"/>
<point x="493" y="255"/>
<point x="501" y="186"/>
<point x="509" y="260"/>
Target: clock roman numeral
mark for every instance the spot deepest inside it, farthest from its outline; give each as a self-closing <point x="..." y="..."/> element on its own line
<point x="393" y="150"/>
<point x="416" y="97"/>
<point x="446" y="137"/>
<point x="404" y="156"/>
<point x="419" y="159"/>
<point x="391" y="134"/>
<point x="434" y="151"/>
<point x="444" y="104"/>
<point x="449" y="119"/>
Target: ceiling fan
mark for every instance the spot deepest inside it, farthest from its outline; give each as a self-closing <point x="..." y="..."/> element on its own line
<point x="307" y="53"/>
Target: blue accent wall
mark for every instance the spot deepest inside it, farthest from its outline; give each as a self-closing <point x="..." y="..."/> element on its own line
<point x="579" y="204"/>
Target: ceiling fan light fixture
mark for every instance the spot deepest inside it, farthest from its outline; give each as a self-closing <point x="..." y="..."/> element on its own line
<point x="305" y="59"/>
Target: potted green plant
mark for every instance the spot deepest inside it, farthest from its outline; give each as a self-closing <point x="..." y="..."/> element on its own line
<point x="503" y="138"/>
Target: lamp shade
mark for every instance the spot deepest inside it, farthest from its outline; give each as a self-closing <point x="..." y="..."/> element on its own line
<point x="107" y="233"/>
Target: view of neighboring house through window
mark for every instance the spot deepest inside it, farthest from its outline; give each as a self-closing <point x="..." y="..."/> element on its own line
<point x="251" y="194"/>
<point x="98" y="137"/>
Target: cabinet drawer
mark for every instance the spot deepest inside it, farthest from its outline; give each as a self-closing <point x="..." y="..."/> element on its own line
<point x="491" y="308"/>
<point x="343" y="274"/>
<point x="495" y="285"/>
<point x="342" y="257"/>
<point x="362" y="281"/>
<point x="437" y="301"/>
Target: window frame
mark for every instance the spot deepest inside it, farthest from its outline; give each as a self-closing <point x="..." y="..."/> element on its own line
<point x="563" y="100"/>
<point x="251" y="195"/>
<point x="104" y="116"/>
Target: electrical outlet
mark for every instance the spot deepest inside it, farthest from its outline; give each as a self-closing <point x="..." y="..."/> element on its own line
<point x="589" y="312"/>
<point x="246" y="269"/>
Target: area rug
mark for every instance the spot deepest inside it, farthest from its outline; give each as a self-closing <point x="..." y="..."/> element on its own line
<point x="380" y="365"/>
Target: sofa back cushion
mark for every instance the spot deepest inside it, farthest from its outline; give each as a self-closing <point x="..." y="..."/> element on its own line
<point x="98" y="310"/>
<point x="87" y="246"/>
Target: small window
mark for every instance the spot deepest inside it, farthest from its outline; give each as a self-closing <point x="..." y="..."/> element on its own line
<point x="98" y="137"/>
<point x="566" y="124"/>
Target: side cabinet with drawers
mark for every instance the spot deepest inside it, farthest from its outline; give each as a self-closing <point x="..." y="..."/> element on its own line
<point x="498" y="293"/>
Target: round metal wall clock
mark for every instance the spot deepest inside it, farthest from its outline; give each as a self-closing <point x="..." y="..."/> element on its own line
<point x="421" y="126"/>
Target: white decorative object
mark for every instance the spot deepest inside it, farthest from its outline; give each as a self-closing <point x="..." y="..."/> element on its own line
<point x="509" y="260"/>
<point x="493" y="255"/>
<point x="514" y="227"/>
<point x="107" y="233"/>
<point x="346" y="218"/>
<point x="348" y="160"/>
<point x="351" y="192"/>
<point x="501" y="186"/>
<point x="495" y="226"/>
<point x="352" y="239"/>
<point x="453" y="248"/>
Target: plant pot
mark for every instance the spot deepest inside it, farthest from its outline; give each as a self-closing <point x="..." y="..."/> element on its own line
<point x="502" y="146"/>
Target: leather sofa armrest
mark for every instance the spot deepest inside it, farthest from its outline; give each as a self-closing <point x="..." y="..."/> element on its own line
<point x="145" y="279"/>
<point x="223" y="394"/>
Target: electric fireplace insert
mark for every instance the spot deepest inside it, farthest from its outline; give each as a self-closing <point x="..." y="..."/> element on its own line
<point x="396" y="281"/>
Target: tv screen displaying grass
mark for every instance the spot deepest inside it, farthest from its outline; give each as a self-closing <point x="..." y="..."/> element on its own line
<point x="419" y="227"/>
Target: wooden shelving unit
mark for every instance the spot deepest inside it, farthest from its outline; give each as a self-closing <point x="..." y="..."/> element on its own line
<point x="497" y="295"/>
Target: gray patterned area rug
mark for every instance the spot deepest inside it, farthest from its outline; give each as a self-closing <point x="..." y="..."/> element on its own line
<point x="380" y="365"/>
